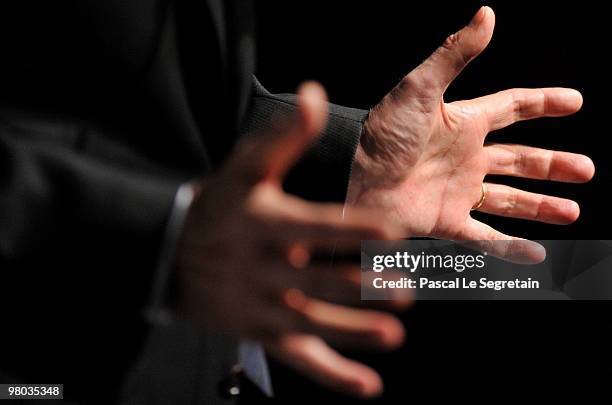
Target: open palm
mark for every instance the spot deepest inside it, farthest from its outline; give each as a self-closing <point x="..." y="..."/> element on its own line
<point x="423" y="161"/>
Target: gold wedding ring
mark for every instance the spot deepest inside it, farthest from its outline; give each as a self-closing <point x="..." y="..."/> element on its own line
<point x="483" y="197"/>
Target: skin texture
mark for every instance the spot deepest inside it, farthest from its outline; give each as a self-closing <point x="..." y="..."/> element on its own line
<point x="422" y="161"/>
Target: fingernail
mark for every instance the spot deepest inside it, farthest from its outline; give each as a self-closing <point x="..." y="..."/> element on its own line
<point x="574" y="208"/>
<point x="479" y="16"/>
<point x="577" y="96"/>
<point x="538" y="253"/>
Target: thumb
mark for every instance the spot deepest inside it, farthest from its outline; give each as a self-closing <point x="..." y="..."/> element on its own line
<point x="270" y="155"/>
<point x="432" y="77"/>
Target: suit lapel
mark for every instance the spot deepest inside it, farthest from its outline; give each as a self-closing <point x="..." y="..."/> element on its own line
<point x="164" y="80"/>
<point x="217" y="16"/>
<point x="202" y="72"/>
<point x="241" y="55"/>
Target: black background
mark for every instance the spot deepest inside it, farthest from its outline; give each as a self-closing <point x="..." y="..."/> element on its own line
<point x="359" y="50"/>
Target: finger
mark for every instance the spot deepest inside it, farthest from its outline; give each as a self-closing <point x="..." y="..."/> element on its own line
<point x="541" y="164"/>
<point x="339" y="284"/>
<point x="289" y="219"/>
<point x="497" y="244"/>
<point x="269" y="156"/>
<point x="511" y="202"/>
<point x="432" y="77"/>
<point x="342" y="325"/>
<point x="509" y="106"/>
<point x="312" y="357"/>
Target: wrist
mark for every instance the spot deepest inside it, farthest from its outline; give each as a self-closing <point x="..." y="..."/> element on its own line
<point x="356" y="179"/>
<point x="367" y="172"/>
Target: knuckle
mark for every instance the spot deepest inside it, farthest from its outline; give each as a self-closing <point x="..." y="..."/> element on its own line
<point x="511" y="203"/>
<point x="520" y="162"/>
<point x="541" y="101"/>
<point x="453" y="45"/>
<point x="516" y="102"/>
<point x="421" y="83"/>
<point x="538" y="212"/>
<point x="411" y="81"/>
<point x="451" y="41"/>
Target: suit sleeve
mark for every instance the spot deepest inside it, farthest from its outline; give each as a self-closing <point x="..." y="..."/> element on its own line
<point x="79" y="240"/>
<point x="57" y="203"/>
<point x="323" y="172"/>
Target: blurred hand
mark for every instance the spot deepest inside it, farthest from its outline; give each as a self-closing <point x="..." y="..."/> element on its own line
<point x="243" y="261"/>
<point x="423" y="161"/>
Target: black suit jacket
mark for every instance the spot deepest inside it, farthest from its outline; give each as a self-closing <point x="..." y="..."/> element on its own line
<point x="106" y="107"/>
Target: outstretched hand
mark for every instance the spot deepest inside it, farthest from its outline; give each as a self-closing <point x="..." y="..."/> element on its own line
<point x="244" y="260"/>
<point x="423" y="161"/>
